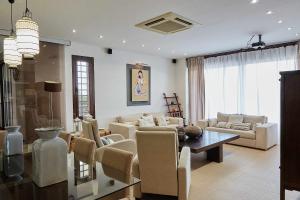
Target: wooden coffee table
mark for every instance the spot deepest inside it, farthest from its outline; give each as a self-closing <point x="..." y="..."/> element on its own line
<point x="211" y="142"/>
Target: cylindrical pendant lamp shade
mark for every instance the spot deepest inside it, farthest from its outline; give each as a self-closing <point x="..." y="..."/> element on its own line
<point x="27" y="32"/>
<point x="11" y="56"/>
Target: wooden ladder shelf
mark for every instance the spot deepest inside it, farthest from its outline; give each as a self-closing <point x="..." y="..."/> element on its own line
<point x="174" y="107"/>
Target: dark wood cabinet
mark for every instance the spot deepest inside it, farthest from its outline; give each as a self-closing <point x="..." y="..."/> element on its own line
<point x="290" y="132"/>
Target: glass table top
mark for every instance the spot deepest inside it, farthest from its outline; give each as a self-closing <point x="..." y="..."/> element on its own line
<point x="16" y="182"/>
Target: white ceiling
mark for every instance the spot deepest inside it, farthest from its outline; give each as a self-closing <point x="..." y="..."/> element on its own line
<point x="226" y="24"/>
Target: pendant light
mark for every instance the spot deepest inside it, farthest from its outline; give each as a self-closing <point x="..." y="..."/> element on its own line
<point x="11" y="56"/>
<point x="27" y="35"/>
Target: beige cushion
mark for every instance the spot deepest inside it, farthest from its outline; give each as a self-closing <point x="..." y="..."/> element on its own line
<point x="221" y="124"/>
<point x="221" y="117"/>
<point x="241" y="126"/>
<point x="146" y="121"/>
<point x="243" y="134"/>
<point x="129" y="118"/>
<point x="254" y="119"/>
<point x="212" y="122"/>
<point x="158" y="128"/>
<point x="235" y="118"/>
<point x="161" y="121"/>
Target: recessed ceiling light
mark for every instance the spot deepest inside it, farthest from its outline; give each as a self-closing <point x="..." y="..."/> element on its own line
<point x="143" y="45"/>
<point x="297" y="34"/>
<point x="270" y="12"/>
<point x="290" y="28"/>
<point x="158" y="48"/>
<point x="254" y="1"/>
<point x="124" y="41"/>
<point x="100" y="36"/>
<point x="280" y="22"/>
<point x="74" y="31"/>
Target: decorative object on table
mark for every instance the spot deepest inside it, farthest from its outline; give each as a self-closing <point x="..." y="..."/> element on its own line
<point x="10" y="52"/>
<point x="193" y="131"/>
<point x="77" y="124"/>
<point x="14" y="166"/>
<point x="49" y="148"/>
<point x="181" y="133"/>
<point x="46" y="151"/>
<point x="138" y="85"/>
<point x="27" y="32"/>
<point x="13" y="143"/>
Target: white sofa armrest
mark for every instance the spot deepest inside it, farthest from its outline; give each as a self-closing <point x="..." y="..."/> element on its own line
<point x="175" y="120"/>
<point x="184" y="173"/>
<point x="126" y="145"/>
<point x="266" y="135"/>
<point x="202" y="123"/>
<point x="115" y="137"/>
<point x="126" y="130"/>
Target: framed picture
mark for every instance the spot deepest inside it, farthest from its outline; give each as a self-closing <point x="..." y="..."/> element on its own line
<point x="138" y="85"/>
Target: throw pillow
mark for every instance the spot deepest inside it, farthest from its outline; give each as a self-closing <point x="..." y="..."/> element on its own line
<point x="235" y="118"/>
<point x="146" y="121"/>
<point x="221" y="124"/>
<point x="161" y="121"/>
<point x="221" y="117"/>
<point x="212" y="122"/>
<point x="241" y="126"/>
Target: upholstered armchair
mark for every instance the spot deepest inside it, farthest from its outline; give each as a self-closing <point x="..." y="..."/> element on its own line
<point x="90" y="131"/>
<point x="159" y="167"/>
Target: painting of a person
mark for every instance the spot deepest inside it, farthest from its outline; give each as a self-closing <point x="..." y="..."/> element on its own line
<point x="139" y="83"/>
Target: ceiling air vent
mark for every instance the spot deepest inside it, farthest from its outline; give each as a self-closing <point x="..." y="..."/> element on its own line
<point x="167" y="23"/>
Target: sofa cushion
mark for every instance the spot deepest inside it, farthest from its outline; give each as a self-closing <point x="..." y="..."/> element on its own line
<point x="221" y="117"/>
<point x="146" y="121"/>
<point x="243" y="134"/>
<point x="235" y="118"/>
<point x="254" y="120"/>
<point x="161" y="121"/>
<point x="158" y="128"/>
<point x="241" y="126"/>
<point x="129" y="118"/>
<point x="221" y="124"/>
<point x="212" y="122"/>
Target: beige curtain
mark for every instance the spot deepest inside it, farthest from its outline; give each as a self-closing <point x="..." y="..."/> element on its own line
<point x="196" y="88"/>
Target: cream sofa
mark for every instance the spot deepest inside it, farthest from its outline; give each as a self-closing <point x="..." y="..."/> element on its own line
<point x="128" y="125"/>
<point x="262" y="135"/>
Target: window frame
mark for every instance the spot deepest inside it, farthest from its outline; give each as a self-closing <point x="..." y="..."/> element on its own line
<point x="91" y="85"/>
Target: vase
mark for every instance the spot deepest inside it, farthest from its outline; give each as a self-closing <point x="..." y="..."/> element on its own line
<point x="49" y="157"/>
<point x="13" y="144"/>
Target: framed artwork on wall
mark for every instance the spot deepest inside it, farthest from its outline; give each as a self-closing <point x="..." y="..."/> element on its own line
<point x="138" y="85"/>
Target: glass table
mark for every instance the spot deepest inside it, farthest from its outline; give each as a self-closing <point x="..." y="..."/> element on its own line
<point x="16" y="182"/>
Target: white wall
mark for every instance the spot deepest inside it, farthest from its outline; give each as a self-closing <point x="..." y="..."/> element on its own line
<point x="110" y="82"/>
<point x="181" y="85"/>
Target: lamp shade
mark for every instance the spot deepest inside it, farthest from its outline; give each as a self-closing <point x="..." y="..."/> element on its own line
<point x="51" y="86"/>
<point x="27" y="32"/>
<point x="11" y="56"/>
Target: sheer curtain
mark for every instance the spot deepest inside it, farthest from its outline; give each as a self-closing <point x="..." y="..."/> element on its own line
<point x="247" y="82"/>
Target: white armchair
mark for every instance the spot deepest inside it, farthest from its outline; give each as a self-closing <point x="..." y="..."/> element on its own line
<point x="158" y="166"/>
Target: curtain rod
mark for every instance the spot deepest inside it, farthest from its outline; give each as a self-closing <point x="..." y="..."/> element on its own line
<point x="226" y="53"/>
<point x="285" y="44"/>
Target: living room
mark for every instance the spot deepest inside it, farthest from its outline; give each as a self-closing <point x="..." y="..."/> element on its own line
<point x="105" y="89"/>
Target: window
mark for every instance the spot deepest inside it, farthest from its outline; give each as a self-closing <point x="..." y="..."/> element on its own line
<point x="247" y="82"/>
<point x="83" y="86"/>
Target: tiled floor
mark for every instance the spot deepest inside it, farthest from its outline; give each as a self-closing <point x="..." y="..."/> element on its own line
<point x="245" y="174"/>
